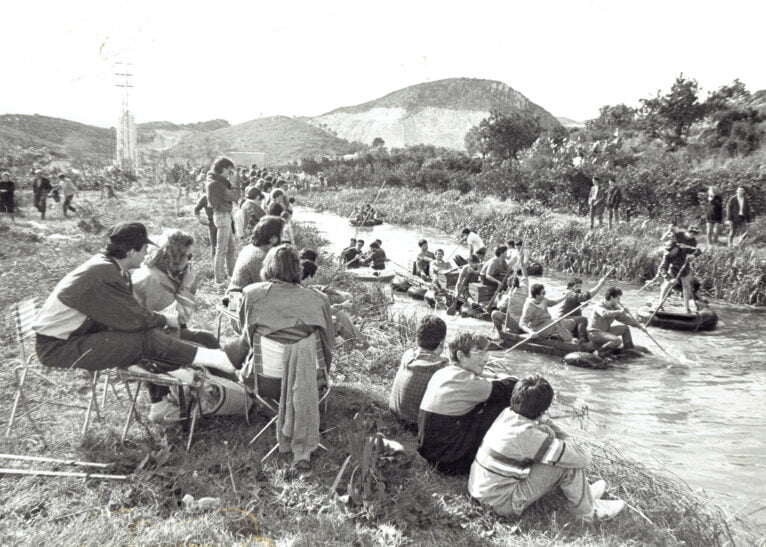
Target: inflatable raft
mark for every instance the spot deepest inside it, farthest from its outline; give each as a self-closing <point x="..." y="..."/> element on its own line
<point x="705" y="319"/>
<point x="558" y="348"/>
<point x="368" y="222"/>
<point x="368" y="274"/>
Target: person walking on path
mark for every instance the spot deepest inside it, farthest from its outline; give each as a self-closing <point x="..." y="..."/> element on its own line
<point x="738" y="213"/>
<point x="596" y="203"/>
<point x="221" y="196"/>
<point x="41" y="186"/>
<point x="68" y="189"/>
<point x="7" y="195"/>
<point x="613" y="200"/>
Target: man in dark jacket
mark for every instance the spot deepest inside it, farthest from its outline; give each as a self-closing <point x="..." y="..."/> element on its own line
<point x="613" y="200"/>
<point x="738" y="213"/>
<point x="221" y="196"/>
<point x="92" y="321"/>
<point x="7" y="190"/>
<point x="40" y="188"/>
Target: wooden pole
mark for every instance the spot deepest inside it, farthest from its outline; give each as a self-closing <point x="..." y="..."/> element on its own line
<point x="45" y="473"/>
<point x="534" y="334"/>
<point x="53" y="460"/>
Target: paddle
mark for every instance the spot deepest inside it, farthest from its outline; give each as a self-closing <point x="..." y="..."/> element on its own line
<point x="670" y="290"/>
<point x="646" y="332"/>
<point x="535" y="334"/>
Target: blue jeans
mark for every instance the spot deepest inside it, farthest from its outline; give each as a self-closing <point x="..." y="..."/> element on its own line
<point x="225" y="252"/>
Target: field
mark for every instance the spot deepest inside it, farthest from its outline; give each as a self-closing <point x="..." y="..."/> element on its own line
<point x="270" y="503"/>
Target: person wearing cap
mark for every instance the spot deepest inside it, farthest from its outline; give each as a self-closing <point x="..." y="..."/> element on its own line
<point x="738" y="213"/>
<point x="40" y="188"/>
<point x="7" y="190"/>
<point x="221" y="196"/>
<point x="92" y="321"/>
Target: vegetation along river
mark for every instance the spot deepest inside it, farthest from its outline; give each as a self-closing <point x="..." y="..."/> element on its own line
<point x="700" y="416"/>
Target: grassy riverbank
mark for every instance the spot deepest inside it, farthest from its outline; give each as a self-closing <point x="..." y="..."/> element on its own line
<point x="561" y="241"/>
<point x="269" y="503"/>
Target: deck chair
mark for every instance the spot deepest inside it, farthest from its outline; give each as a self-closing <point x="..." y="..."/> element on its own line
<point x="267" y="373"/>
<point x="24" y="313"/>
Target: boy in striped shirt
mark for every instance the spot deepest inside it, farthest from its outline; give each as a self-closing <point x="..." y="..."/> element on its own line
<point x="524" y="456"/>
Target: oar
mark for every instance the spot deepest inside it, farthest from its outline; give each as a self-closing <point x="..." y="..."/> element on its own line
<point x="534" y="334"/>
<point x="371" y="204"/>
<point x="497" y="291"/>
<point x="670" y="290"/>
<point x="643" y="328"/>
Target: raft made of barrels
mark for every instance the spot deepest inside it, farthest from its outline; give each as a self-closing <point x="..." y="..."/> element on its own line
<point x="368" y="222"/>
<point x="705" y="319"/>
<point x="368" y="274"/>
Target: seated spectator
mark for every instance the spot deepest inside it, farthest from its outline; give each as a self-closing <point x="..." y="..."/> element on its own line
<point x="524" y="456"/>
<point x="251" y="210"/>
<point x="459" y="406"/>
<point x="275" y="209"/>
<point x="92" y="321"/>
<point x="416" y="368"/>
<point x="247" y="269"/>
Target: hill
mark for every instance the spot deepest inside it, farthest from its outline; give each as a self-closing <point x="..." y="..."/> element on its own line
<point x="438" y="113"/>
<point x="61" y="137"/>
<point x="569" y="122"/>
<point x="281" y="138"/>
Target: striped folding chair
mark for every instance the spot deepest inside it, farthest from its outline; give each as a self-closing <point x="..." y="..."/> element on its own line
<point x="190" y="412"/>
<point x="266" y="360"/>
<point x="24" y="313"/>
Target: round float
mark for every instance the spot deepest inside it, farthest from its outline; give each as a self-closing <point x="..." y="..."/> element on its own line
<point x="705" y="319"/>
<point x="368" y="274"/>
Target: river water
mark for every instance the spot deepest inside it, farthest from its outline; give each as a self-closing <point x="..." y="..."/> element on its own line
<point x="699" y="416"/>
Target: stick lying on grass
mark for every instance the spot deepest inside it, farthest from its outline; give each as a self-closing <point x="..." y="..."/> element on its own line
<point x="46" y="473"/>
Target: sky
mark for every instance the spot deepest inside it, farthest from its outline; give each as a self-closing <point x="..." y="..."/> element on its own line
<point x="243" y="60"/>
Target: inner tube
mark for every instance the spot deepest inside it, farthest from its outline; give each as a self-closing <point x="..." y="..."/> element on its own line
<point x="418" y="293"/>
<point x="368" y="222"/>
<point x="705" y="319"/>
<point x="368" y="274"/>
<point x="400" y="284"/>
<point x="585" y="359"/>
<point x="534" y="268"/>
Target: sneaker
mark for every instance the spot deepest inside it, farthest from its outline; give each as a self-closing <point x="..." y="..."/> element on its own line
<point x="597" y="489"/>
<point x="604" y="510"/>
<point x="164" y="411"/>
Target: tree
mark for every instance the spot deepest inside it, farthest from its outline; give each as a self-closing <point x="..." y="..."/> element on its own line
<point x="378" y="142"/>
<point x="670" y="116"/>
<point x="614" y="117"/>
<point x="504" y="135"/>
<point x="475" y="142"/>
<point x="726" y="97"/>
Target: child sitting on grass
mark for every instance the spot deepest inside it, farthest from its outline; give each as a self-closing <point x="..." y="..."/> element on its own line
<point x="459" y="406"/>
<point x="524" y="456"/>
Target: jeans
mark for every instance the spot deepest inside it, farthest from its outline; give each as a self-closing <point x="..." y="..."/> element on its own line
<point x="67" y="205"/>
<point x="225" y="252"/>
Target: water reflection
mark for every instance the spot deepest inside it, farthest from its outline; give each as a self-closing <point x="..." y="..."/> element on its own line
<point x="699" y="415"/>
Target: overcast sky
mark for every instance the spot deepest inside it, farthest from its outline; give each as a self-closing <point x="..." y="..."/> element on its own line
<point x="198" y="61"/>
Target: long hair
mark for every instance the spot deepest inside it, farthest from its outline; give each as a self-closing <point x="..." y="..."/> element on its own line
<point x="171" y="248"/>
<point x="282" y="263"/>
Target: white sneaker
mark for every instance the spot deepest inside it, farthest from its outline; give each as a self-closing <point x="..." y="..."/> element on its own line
<point x="604" y="510"/>
<point x="164" y="411"/>
<point x="597" y="489"/>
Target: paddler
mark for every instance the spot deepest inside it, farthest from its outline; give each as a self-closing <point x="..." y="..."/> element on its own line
<point x="468" y="274"/>
<point x="422" y="267"/>
<point x="492" y="274"/>
<point x="600" y="330"/>
<point x="535" y="316"/>
<point x="354" y="255"/>
<point x="675" y="262"/>
<point x="376" y="257"/>
<point x="572" y="300"/>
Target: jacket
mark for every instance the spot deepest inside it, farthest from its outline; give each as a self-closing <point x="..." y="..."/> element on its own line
<point x="733" y="212"/>
<point x="220" y="193"/>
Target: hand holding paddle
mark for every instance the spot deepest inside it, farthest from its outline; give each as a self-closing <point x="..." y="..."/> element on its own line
<point x="670" y="290"/>
<point x="537" y="333"/>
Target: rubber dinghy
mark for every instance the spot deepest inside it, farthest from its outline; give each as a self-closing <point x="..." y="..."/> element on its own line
<point x="368" y="274"/>
<point x="705" y="319"/>
<point x="368" y="222"/>
<point x="579" y="355"/>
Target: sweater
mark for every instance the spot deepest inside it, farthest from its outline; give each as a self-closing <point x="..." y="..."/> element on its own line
<point x="220" y="194"/>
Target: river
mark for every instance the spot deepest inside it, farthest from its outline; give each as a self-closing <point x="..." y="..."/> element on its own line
<point x="699" y="416"/>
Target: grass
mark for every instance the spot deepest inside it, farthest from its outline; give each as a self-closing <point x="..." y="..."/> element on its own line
<point x="564" y="241"/>
<point x="266" y="504"/>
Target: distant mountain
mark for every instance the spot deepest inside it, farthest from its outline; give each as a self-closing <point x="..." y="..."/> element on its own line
<point x="438" y="113"/>
<point x="280" y="138"/>
<point x="63" y="138"/>
<point x="568" y="122"/>
<point x="210" y="125"/>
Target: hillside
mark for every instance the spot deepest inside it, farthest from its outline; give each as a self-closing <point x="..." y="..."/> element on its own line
<point x="569" y="122"/>
<point x="438" y="113"/>
<point x="63" y="138"/>
<point x="281" y="138"/>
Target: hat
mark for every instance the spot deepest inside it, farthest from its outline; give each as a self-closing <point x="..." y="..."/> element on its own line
<point x="133" y="233"/>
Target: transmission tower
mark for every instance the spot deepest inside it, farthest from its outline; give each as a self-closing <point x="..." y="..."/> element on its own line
<point x="127" y="139"/>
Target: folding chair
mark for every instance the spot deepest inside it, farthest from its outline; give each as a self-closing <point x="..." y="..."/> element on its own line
<point x="266" y="358"/>
<point x="138" y="373"/>
<point x="24" y="313"/>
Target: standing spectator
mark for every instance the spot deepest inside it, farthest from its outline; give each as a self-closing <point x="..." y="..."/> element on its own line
<point x="69" y="190"/>
<point x="738" y="213"/>
<point x="213" y="231"/>
<point x="221" y="196"/>
<point x="714" y="215"/>
<point x="613" y="200"/>
<point x="40" y="188"/>
<point x="596" y="203"/>
<point x="7" y="190"/>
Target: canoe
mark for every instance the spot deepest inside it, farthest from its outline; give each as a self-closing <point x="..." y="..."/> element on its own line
<point x="368" y="222"/>
<point x="368" y="274"/>
<point x="705" y="319"/>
